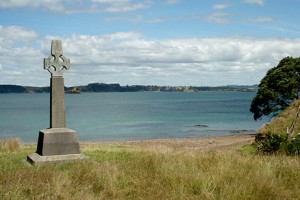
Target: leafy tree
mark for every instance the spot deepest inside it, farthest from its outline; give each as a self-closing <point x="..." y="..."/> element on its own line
<point x="277" y="89"/>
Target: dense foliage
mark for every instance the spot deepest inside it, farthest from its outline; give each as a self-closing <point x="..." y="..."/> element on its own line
<point x="277" y="89"/>
<point x="271" y="143"/>
<point x="274" y="143"/>
<point x="293" y="148"/>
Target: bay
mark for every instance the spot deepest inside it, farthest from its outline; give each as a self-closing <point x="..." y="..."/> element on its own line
<point x="132" y="116"/>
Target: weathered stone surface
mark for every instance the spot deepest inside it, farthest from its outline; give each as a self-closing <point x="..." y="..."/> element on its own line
<point x="57" y="105"/>
<point x="57" y="141"/>
<point x="60" y="63"/>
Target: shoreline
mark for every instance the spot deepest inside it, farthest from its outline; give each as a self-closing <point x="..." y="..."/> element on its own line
<point x="207" y="143"/>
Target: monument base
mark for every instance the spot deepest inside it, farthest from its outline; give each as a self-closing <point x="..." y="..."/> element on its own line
<point x="57" y="141"/>
<point x="56" y="145"/>
<point x="38" y="159"/>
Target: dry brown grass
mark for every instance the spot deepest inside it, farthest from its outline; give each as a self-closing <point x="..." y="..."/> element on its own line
<point x="157" y="172"/>
<point x="10" y="144"/>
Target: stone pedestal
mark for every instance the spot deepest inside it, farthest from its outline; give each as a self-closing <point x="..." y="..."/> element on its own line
<point x="56" y="145"/>
<point x="57" y="141"/>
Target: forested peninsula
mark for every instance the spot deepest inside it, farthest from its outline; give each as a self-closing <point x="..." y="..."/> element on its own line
<point x="115" y="87"/>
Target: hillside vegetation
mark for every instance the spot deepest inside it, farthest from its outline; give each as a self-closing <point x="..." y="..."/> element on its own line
<point x="132" y="172"/>
<point x="115" y="87"/>
<point x="283" y="121"/>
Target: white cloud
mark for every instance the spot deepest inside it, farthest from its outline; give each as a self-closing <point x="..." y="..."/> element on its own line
<point x="171" y="2"/>
<point x="79" y="6"/>
<point x="261" y="19"/>
<point x="51" y="5"/>
<point x="128" y="58"/>
<point x="259" y="2"/>
<point x="157" y="20"/>
<point x="13" y="45"/>
<point x="120" y="5"/>
<point x="220" y="6"/>
<point x="218" y="17"/>
<point x="17" y="33"/>
<point x="17" y="55"/>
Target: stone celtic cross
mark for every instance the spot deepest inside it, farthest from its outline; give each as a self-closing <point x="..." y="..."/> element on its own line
<point x="56" y="63"/>
<point x="56" y="143"/>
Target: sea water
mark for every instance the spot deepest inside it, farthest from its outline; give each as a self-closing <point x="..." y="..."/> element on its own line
<point x="132" y="116"/>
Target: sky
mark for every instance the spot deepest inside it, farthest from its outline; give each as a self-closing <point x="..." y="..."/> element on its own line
<point x="148" y="42"/>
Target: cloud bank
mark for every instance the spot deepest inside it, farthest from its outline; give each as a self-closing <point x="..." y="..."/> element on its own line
<point x="129" y="58"/>
<point x="78" y="6"/>
<point x="259" y="2"/>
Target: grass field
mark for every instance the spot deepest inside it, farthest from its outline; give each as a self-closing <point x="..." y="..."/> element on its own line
<point x="133" y="172"/>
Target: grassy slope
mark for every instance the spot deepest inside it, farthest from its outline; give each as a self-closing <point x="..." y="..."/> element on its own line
<point x="125" y="172"/>
<point x="280" y="123"/>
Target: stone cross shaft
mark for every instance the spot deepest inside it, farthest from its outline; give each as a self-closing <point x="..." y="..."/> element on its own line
<point x="56" y="64"/>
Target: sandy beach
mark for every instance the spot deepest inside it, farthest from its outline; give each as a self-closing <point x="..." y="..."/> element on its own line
<point x="220" y="142"/>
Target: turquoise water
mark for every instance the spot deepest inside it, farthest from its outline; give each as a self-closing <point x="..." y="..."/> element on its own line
<point x="132" y="116"/>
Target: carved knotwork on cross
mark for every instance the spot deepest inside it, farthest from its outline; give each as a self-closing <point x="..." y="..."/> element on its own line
<point x="56" y="63"/>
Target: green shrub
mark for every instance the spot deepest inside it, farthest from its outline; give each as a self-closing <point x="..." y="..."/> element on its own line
<point x="271" y="143"/>
<point x="293" y="147"/>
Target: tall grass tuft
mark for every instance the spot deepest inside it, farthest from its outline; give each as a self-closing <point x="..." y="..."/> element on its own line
<point x="10" y="144"/>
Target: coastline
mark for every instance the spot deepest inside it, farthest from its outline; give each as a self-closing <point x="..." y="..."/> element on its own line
<point x="207" y="143"/>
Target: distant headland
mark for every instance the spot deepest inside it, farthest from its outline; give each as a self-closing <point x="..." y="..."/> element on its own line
<point x="115" y="87"/>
